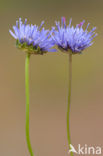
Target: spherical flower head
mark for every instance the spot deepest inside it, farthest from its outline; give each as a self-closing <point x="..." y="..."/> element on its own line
<point x="72" y="39"/>
<point x="31" y="39"/>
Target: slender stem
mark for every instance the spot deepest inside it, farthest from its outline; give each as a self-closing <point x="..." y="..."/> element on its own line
<point x="27" y="103"/>
<point x="69" y="100"/>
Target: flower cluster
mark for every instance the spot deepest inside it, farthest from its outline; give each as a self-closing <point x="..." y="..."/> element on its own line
<point x="74" y="39"/>
<point x="31" y="39"/>
<point x="35" y="40"/>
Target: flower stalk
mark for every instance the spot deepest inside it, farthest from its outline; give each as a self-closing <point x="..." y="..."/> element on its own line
<point x="27" y="103"/>
<point x="69" y="101"/>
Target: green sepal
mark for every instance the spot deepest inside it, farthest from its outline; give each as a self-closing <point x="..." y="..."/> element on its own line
<point x="29" y="48"/>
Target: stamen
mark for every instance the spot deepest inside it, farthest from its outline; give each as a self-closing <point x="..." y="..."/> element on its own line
<point x="41" y="25"/>
<point x="63" y="22"/>
<point x="70" y="22"/>
<point x="81" y="24"/>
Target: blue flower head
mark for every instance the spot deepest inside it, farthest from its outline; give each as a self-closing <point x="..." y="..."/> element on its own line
<point x="74" y="39"/>
<point x="31" y="39"/>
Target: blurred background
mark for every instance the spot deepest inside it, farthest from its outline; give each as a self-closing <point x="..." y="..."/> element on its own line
<point x="49" y="81"/>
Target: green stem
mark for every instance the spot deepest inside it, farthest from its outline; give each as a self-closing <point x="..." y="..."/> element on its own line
<point x="27" y="103"/>
<point x="69" y="100"/>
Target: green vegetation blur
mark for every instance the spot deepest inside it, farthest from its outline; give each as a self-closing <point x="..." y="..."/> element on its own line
<point x="49" y="82"/>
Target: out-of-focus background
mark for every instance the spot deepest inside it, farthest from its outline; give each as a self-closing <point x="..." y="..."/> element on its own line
<point x="49" y="81"/>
